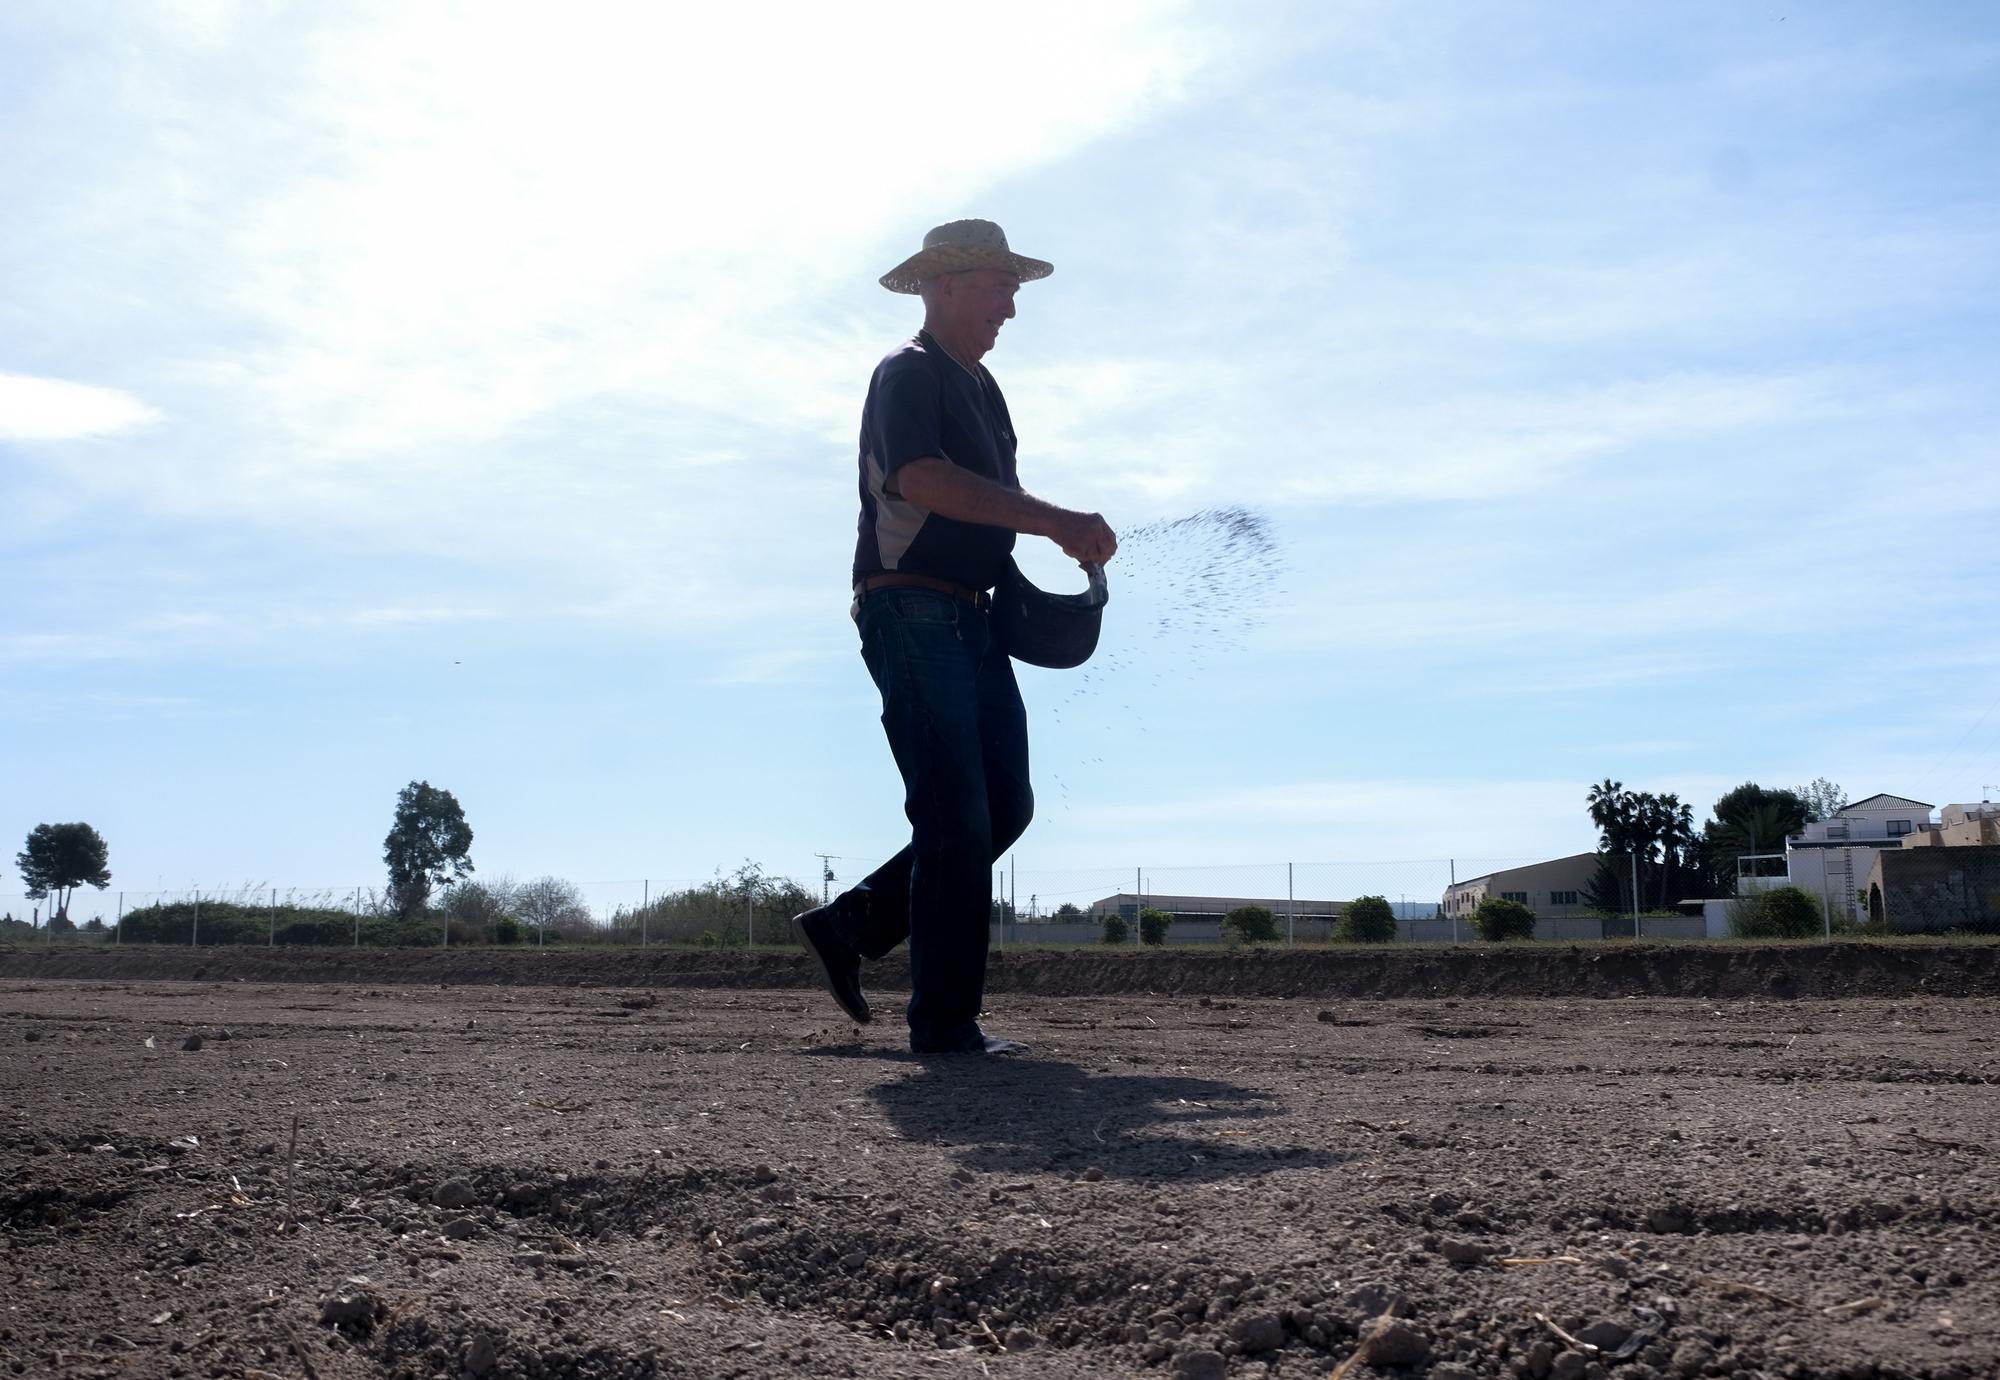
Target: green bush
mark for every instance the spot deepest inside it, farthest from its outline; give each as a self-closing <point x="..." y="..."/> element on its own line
<point x="209" y="922"/>
<point x="1251" y="924"/>
<point x="1497" y="920"/>
<point x="1783" y="912"/>
<point x="1153" y="926"/>
<point x="506" y="930"/>
<point x="1116" y="930"/>
<point x="420" y="930"/>
<point x="333" y="928"/>
<point x="1367" y="920"/>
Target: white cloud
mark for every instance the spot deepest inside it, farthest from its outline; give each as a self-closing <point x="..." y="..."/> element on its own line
<point x="36" y="409"/>
<point x="520" y="213"/>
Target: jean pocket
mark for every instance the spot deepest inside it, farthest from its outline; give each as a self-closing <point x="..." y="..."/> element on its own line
<point x="913" y="606"/>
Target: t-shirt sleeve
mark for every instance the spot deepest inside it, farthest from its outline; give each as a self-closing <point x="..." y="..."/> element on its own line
<point x="909" y="412"/>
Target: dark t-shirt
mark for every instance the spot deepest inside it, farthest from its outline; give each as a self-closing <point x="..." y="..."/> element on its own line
<point x="922" y="402"/>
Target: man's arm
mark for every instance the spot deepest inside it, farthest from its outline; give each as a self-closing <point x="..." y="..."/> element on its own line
<point x="959" y="494"/>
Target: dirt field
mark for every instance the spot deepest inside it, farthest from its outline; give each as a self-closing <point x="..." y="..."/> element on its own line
<point x="611" y="1179"/>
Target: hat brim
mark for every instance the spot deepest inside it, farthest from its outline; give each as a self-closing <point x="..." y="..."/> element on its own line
<point x="911" y="274"/>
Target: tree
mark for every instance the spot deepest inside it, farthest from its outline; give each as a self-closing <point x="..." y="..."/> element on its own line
<point x="1069" y="910"/>
<point x="58" y="859"/>
<point x="1367" y="920"/>
<point x="1640" y="833"/>
<point x="768" y="903"/>
<point x="1605" y="891"/>
<point x="1675" y="825"/>
<point x="474" y="908"/>
<point x="551" y="903"/>
<point x="1497" y="919"/>
<point x="428" y="846"/>
<point x="1116" y="931"/>
<point x="1823" y="799"/>
<point x="1750" y="819"/>
<point x="1252" y="924"/>
<point x="1153" y="926"/>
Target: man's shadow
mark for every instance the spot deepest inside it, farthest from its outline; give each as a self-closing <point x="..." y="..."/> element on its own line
<point x="1037" y="1115"/>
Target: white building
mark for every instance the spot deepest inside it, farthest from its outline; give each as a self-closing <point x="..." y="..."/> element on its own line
<point x="1831" y="858"/>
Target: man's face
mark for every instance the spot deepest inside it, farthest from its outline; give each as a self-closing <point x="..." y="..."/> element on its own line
<point x="981" y="301"/>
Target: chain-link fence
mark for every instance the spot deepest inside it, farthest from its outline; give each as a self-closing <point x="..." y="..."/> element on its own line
<point x="1432" y="900"/>
<point x="749" y="909"/>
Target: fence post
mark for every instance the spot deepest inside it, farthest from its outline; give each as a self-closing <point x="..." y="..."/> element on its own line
<point x="1451" y="901"/>
<point x="1013" y="902"/>
<point x="1635" y="893"/>
<point x="749" y="918"/>
<point x="272" y="942"/>
<point x="645" y="899"/>
<point x="194" y="935"/>
<point x="357" y="917"/>
<point x="1291" y="907"/>
<point x="118" y="927"/>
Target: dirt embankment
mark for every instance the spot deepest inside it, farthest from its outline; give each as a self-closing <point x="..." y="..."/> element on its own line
<point x="1582" y="970"/>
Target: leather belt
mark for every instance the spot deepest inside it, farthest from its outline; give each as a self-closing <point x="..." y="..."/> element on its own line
<point x="897" y="579"/>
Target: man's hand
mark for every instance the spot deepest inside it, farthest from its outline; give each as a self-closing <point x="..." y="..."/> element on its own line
<point x="942" y="487"/>
<point x="1086" y="538"/>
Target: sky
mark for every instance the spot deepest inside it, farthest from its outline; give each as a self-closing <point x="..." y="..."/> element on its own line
<point x="469" y="394"/>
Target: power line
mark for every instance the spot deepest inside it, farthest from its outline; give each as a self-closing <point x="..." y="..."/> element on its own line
<point x="1924" y="782"/>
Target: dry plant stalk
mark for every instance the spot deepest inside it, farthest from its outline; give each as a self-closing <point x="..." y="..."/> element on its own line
<point x="1921" y="1139"/>
<point x="291" y="1155"/>
<point x="1873" y="1301"/>
<point x="292" y="1338"/>
<point x="1361" y="1352"/>
<point x="1735" y="1286"/>
<point x="1574" y="1343"/>
<point x="1541" y="1260"/>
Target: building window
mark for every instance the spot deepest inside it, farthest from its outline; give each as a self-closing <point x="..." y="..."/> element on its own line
<point x="1562" y="898"/>
<point x="1898" y="828"/>
<point x="1520" y="896"/>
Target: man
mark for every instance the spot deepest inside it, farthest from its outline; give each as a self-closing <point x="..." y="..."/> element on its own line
<point x="940" y="507"/>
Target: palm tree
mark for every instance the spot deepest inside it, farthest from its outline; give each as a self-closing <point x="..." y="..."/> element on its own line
<point x="1619" y="815"/>
<point x="1676" y="837"/>
<point x="1607" y="802"/>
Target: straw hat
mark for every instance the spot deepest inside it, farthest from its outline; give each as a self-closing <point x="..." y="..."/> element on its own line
<point x="957" y="247"/>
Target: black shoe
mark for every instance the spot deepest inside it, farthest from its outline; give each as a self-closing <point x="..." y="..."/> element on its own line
<point x="978" y="1043"/>
<point x="839" y="961"/>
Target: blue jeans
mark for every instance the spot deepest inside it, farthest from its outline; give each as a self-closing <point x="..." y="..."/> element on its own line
<point x="953" y="715"/>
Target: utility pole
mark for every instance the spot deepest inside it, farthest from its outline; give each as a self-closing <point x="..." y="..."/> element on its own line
<point x="825" y="876"/>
